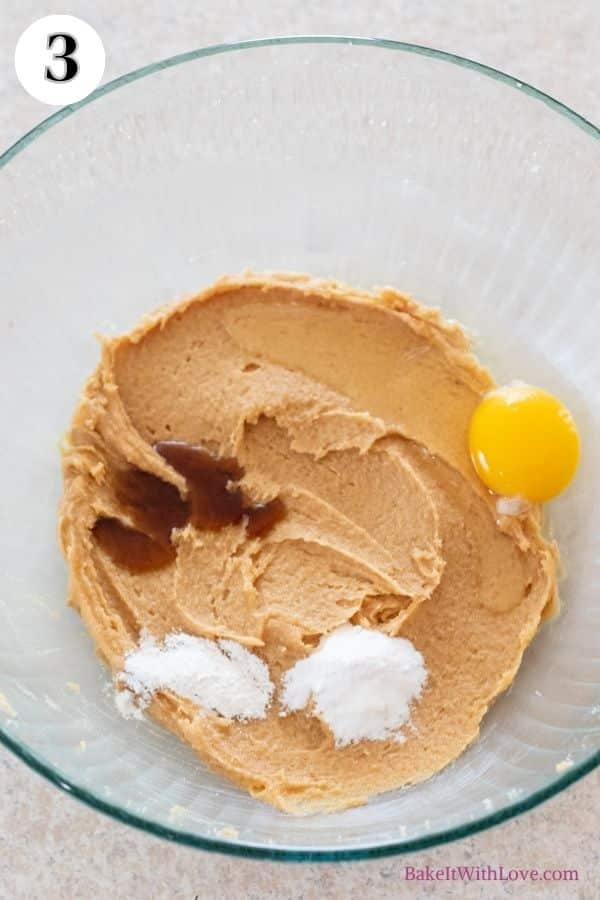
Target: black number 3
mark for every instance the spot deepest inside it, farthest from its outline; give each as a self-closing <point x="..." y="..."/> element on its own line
<point x="71" y="65"/>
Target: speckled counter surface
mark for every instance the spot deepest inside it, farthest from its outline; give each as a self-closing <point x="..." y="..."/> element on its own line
<point x="51" y="846"/>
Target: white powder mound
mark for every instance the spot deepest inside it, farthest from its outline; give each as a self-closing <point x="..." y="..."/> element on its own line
<point x="361" y="684"/>
<point x="221" y="676"/>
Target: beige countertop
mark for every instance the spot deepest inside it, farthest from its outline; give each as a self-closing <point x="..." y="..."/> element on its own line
<point x="52" y="847"/>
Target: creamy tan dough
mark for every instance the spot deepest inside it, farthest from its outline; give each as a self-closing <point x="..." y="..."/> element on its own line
<point x="354" y="408"/>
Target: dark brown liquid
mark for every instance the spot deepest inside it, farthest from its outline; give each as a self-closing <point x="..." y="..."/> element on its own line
<point x="156" y="507"/>
<point x="131" y="549"/>
<point x="262" y="516"/>
<point x="214" y="500"/>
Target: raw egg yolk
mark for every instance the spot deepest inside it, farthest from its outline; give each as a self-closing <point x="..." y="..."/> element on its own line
<point x="524" y="443"/>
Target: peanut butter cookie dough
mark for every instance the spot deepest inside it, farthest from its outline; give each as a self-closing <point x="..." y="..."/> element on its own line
<point x="350" y="411"/>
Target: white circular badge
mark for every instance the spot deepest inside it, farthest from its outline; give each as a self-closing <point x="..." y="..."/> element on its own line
<point x="59" y="59"/>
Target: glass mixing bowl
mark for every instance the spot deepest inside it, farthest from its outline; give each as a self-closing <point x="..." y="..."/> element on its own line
<point x="369" y="161"/>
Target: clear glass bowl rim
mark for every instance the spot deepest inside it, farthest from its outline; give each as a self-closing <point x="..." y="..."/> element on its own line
<point x="37" y="763"/>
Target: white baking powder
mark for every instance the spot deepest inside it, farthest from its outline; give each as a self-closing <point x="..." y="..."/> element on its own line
<point x="221" y="676"/>
<point x="361" y="684"/>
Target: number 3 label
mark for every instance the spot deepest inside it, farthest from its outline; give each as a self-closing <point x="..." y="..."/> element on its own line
<point x="59" y="60"/>
<point x="71" y="65"/>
